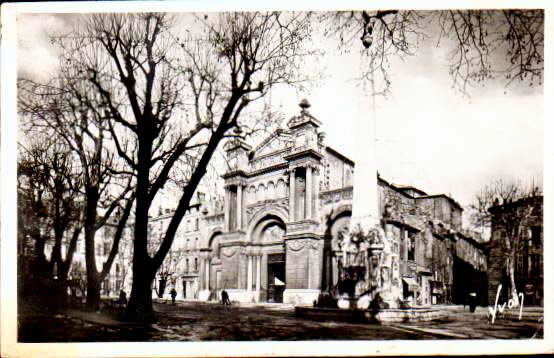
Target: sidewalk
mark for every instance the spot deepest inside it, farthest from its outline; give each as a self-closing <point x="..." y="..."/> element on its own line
<point x="266" y="305"/>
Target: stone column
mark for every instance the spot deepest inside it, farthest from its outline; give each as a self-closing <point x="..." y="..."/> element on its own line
<point x="292" y="190"/>
<point x="239" y="206"/>
<point x="263" y="276"/>
<point x="227" y="206"/>
<point x="334" y="269"/>
<point x="207" y="273"/>
<point x="309" y="183"/>
<point x="316" y="193"/>
<point x="249" y="280"/>
<point x="201" y="274"/>
<point x="258" y="273"/>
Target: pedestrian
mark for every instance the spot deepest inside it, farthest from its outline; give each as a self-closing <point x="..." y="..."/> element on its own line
<point x="225" y="298"/>
<point x="122" y="297"/>
<point x="173" y="295"/>
<point x="472" y="302"/>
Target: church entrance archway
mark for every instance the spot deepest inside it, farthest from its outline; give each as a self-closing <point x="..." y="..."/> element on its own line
<point x="268" y="236"/>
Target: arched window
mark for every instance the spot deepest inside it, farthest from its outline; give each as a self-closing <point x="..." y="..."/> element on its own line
<point x="251" y="197"/>
<point x="280" y="190"/>
<point x="260" y="195"/>
<point x="270" y="191"/>
<point x="196" y="264"/>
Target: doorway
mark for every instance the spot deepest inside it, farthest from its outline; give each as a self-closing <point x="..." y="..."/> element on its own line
<point x="275" y="277"/>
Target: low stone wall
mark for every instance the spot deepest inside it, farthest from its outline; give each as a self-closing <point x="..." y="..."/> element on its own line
<point x="381" y="316"/>
<point x="405" y="315"/>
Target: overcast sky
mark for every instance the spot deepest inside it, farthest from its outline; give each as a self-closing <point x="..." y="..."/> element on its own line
<point x="428" y="135"/>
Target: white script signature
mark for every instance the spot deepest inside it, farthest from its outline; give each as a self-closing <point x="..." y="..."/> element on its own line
<point x="500" y="308"/>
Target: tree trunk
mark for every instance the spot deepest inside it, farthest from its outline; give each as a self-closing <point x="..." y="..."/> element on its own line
<point x="93" y="282"/>
<point x="140" y="302"/>
<point x="511" y="275"/>
<point x="163" y="283"/>
<point x="93" y="294"/>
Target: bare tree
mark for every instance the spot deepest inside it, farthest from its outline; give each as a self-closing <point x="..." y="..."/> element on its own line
<point x="483" y="44"/>
<point x="51" y="204"/>
<point x="69" y="111"/>
<point x="497" y="203"/>
<point x="167" y="102"/>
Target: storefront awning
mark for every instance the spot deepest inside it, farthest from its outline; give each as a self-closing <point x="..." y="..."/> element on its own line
<point x="412" y="284"/>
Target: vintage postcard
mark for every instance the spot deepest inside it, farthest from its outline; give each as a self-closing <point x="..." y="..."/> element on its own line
<point x="247" y="180"/>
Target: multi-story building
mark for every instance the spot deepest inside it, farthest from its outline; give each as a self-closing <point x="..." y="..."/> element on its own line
<point x="521" y="223"/>
<point x="275" y="236"/>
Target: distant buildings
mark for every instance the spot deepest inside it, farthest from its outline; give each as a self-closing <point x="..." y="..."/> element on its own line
<point x="524" y="216"/>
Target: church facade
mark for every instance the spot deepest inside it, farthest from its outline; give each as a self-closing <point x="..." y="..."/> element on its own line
<point x="273" y="238"/>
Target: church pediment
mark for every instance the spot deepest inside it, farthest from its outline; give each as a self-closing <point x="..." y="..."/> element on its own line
<point x="276" y="142"/>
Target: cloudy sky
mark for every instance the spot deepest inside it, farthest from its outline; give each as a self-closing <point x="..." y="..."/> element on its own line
<point x="428" y="135"/>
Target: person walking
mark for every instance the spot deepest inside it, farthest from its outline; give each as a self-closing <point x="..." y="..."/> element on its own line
<point x="225" y="298"/>
<point x="122" y="298"/>
<point x="173" y="295"/>
<point x="472" y="302"/>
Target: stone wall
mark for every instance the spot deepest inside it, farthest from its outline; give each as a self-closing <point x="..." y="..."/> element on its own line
<point x="297" y="268"/>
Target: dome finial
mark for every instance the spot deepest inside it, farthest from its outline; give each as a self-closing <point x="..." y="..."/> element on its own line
<point x="304" y="104"/>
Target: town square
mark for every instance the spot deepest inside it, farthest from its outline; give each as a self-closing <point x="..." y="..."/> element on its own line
<point x="253" y="176"/>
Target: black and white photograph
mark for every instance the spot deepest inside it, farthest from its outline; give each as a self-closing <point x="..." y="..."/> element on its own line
<point x="314" y="181"/>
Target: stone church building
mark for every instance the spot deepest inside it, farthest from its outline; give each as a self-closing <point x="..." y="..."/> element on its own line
<point x="273" y="238"/>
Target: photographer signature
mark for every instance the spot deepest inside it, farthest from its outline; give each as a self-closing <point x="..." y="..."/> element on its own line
<point x="501" y="308"/>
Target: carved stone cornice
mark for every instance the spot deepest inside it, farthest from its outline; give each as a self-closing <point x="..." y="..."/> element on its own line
<point x="239" y="173"/>
<point x="304" y="154"/>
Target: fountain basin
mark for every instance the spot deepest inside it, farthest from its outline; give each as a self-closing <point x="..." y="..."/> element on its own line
<point x="381" y="315"/>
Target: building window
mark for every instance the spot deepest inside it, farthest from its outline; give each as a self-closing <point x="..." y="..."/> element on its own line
<point x="535" y="266"/>
<point x="187" y="245"/>
<point x="117" y="270"/>
<point x="411" y="245"/>
<point x="106" y="248"/>
<point x="525" y="270"/>
<point x="403" y="241"/>
<point x="187" y="265"/>
<point x="196" y="224"/>
<point x="196" y="264"/>
<point x="536" y="236"/>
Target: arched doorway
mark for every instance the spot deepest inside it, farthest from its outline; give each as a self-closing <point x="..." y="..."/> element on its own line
<point x="216" y="283"/>
<point x="269" y="236"/>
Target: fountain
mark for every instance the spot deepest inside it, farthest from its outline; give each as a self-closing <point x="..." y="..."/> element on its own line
<point x="366" y="270"/>
<point x="369" y="284"/>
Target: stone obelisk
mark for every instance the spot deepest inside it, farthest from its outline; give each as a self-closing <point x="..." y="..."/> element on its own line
<point x="367" y="249"/>
<point x="365" y="199"/>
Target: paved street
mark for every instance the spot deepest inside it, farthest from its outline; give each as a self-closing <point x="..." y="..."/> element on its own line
<point x="193" y="321"/>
